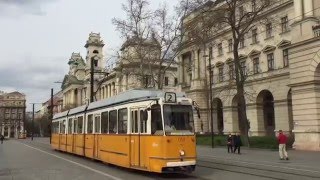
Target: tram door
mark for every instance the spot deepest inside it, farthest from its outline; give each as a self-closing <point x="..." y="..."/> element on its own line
<point x="137" y="127"/>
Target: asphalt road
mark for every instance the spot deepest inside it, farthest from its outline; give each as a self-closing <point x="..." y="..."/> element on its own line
<point x="35" y="160"/>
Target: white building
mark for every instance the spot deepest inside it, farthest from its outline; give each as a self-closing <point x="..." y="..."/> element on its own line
<point x="107" y="83"/>
<point x="283" y="88"/>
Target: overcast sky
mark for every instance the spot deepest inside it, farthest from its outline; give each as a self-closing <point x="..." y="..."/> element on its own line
<point x="38" y="37"/>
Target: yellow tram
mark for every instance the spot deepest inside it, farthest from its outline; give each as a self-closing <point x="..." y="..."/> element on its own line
<point x="148" y="130"/>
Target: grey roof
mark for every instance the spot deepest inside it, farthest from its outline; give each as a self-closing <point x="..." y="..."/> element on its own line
<point x="60" y="115"/>
<point x="77" y="110"/>
<point x="131" y="95"/>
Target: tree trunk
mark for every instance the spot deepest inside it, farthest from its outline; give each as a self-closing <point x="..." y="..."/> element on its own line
<point x="242" y="112"/>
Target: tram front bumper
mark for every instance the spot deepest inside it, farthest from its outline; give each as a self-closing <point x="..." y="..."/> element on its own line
<point x="180" y="166"/>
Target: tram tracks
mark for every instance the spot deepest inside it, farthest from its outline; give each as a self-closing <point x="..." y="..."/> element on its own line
<point x="263" y="172"/>
<point x="277" y="172"/>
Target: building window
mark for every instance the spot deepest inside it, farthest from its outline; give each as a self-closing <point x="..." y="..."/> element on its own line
<point x="147" y="81"/>
<point x="175" y="81"/>
<point x="270" y="58"/>
<point x="220" y="51"/>
<point x="221" y="74"/>
<point x="253" y="5"/>
<point x="241" y="42"/>
<point x="284" y="24"/>
<point x="243" y="67"/>
<point x="268" y="30"/>
<point x="256" y="65"/>
<point x="285" y="58"/>
<point x="230" y="45"/>
<point x="241" y="11"/>
<point x="95" y="63"/>
<point x="166" y="81"/>
<point x="254" y="36"/>
<point x="210" y="53"/>
<point x="231" y="71"/>
<point x="212" y="76"/>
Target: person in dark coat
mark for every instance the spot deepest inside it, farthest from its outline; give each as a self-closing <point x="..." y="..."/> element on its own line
<point x="230" y="143"/>
<point x="1" y="138"/>
<point x="237" y="143"/>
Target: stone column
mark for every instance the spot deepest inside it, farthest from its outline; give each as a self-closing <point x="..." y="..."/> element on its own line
<point x="298" y="9"/>
<point x="255" y="116"/>
<point x="109" y="90"/>
<point x="195" y="61"/>
<point x="180" y="70"/>
<point x="9" y="131"/>
<point x="64" y="100"/>
<point x="281" y="113"/>
<point x="230" y="122"/>
<point x="306" y="117"/>
<point x="72" y="97"/>
<point x="308" y="8"/>
<point x="2" y="130"/>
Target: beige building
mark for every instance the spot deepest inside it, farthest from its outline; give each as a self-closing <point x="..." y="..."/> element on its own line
<point x="12" y="114"/>
<point x="282" y="90"/>
<point x="126" y="74"/>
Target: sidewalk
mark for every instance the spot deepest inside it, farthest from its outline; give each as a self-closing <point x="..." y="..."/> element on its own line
<point x="298" y="159"/>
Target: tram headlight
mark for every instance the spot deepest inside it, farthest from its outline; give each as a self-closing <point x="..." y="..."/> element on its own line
<point x="182" y="153"/>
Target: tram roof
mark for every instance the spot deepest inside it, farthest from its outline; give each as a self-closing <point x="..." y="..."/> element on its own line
<point x="131" y="95"/>
<point x="59" y="115"/>
<point x="77" y="110"/>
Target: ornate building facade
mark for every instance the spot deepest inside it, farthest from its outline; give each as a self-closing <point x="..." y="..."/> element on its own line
<point x="12" y="114"/>
<point x="282" y="91"/>
<point x="108" y="82"/>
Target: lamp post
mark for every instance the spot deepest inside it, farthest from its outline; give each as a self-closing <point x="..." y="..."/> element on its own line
<point x="92" y="77"/>
<point x="92" y="72"/>
<point x="32" y="123"/>
<point x="210" y="98"/>
<point x="51" y="113"/>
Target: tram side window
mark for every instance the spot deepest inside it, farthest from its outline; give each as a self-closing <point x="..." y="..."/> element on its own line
<point x="134" y="118"/>
<point x="123" y="121"/>
<point x="62" y="127"/>
<point x="113" y="122"/>
<point x="156" y="121"/>
<point x="55" y="127"/>
<point x="90" y="124"/>
<point x="80" y="124"/>
<point x="75" y="124"/>
<point x="97" y="124"/>
<point x="70" y="126"/>
<point x="143" y="121"/>
<point x="104" y="122"/>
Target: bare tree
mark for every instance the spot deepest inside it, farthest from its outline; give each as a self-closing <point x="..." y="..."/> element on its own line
<point x="237" y="17"/>
<point x="153" y="40"/>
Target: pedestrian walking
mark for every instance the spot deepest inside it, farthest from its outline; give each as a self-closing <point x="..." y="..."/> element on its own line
<point x="1" y="138"/>
<point x="282" y="140"/>
<point x="230" y="143"/>
<point x="237" y="143"/>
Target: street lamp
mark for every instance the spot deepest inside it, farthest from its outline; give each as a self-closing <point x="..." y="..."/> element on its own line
<point x="210" y="98"/>
<point x="32" y="124"/>
<point x="92" y="72"/>
<point x="93" y="59"/>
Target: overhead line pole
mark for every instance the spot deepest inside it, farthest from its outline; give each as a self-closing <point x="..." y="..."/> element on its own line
<point x="32" y="124"/>
<point x="91" y="79"/>
<point x="51" y="114"/>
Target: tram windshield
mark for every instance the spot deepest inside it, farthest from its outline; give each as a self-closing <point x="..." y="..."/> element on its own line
<point x="178" y="119"/>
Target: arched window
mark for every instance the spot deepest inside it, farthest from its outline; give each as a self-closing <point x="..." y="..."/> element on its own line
<point x="95" y="52"/>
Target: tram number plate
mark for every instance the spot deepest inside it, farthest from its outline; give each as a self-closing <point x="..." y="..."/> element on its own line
<point x="170" y="97"/>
